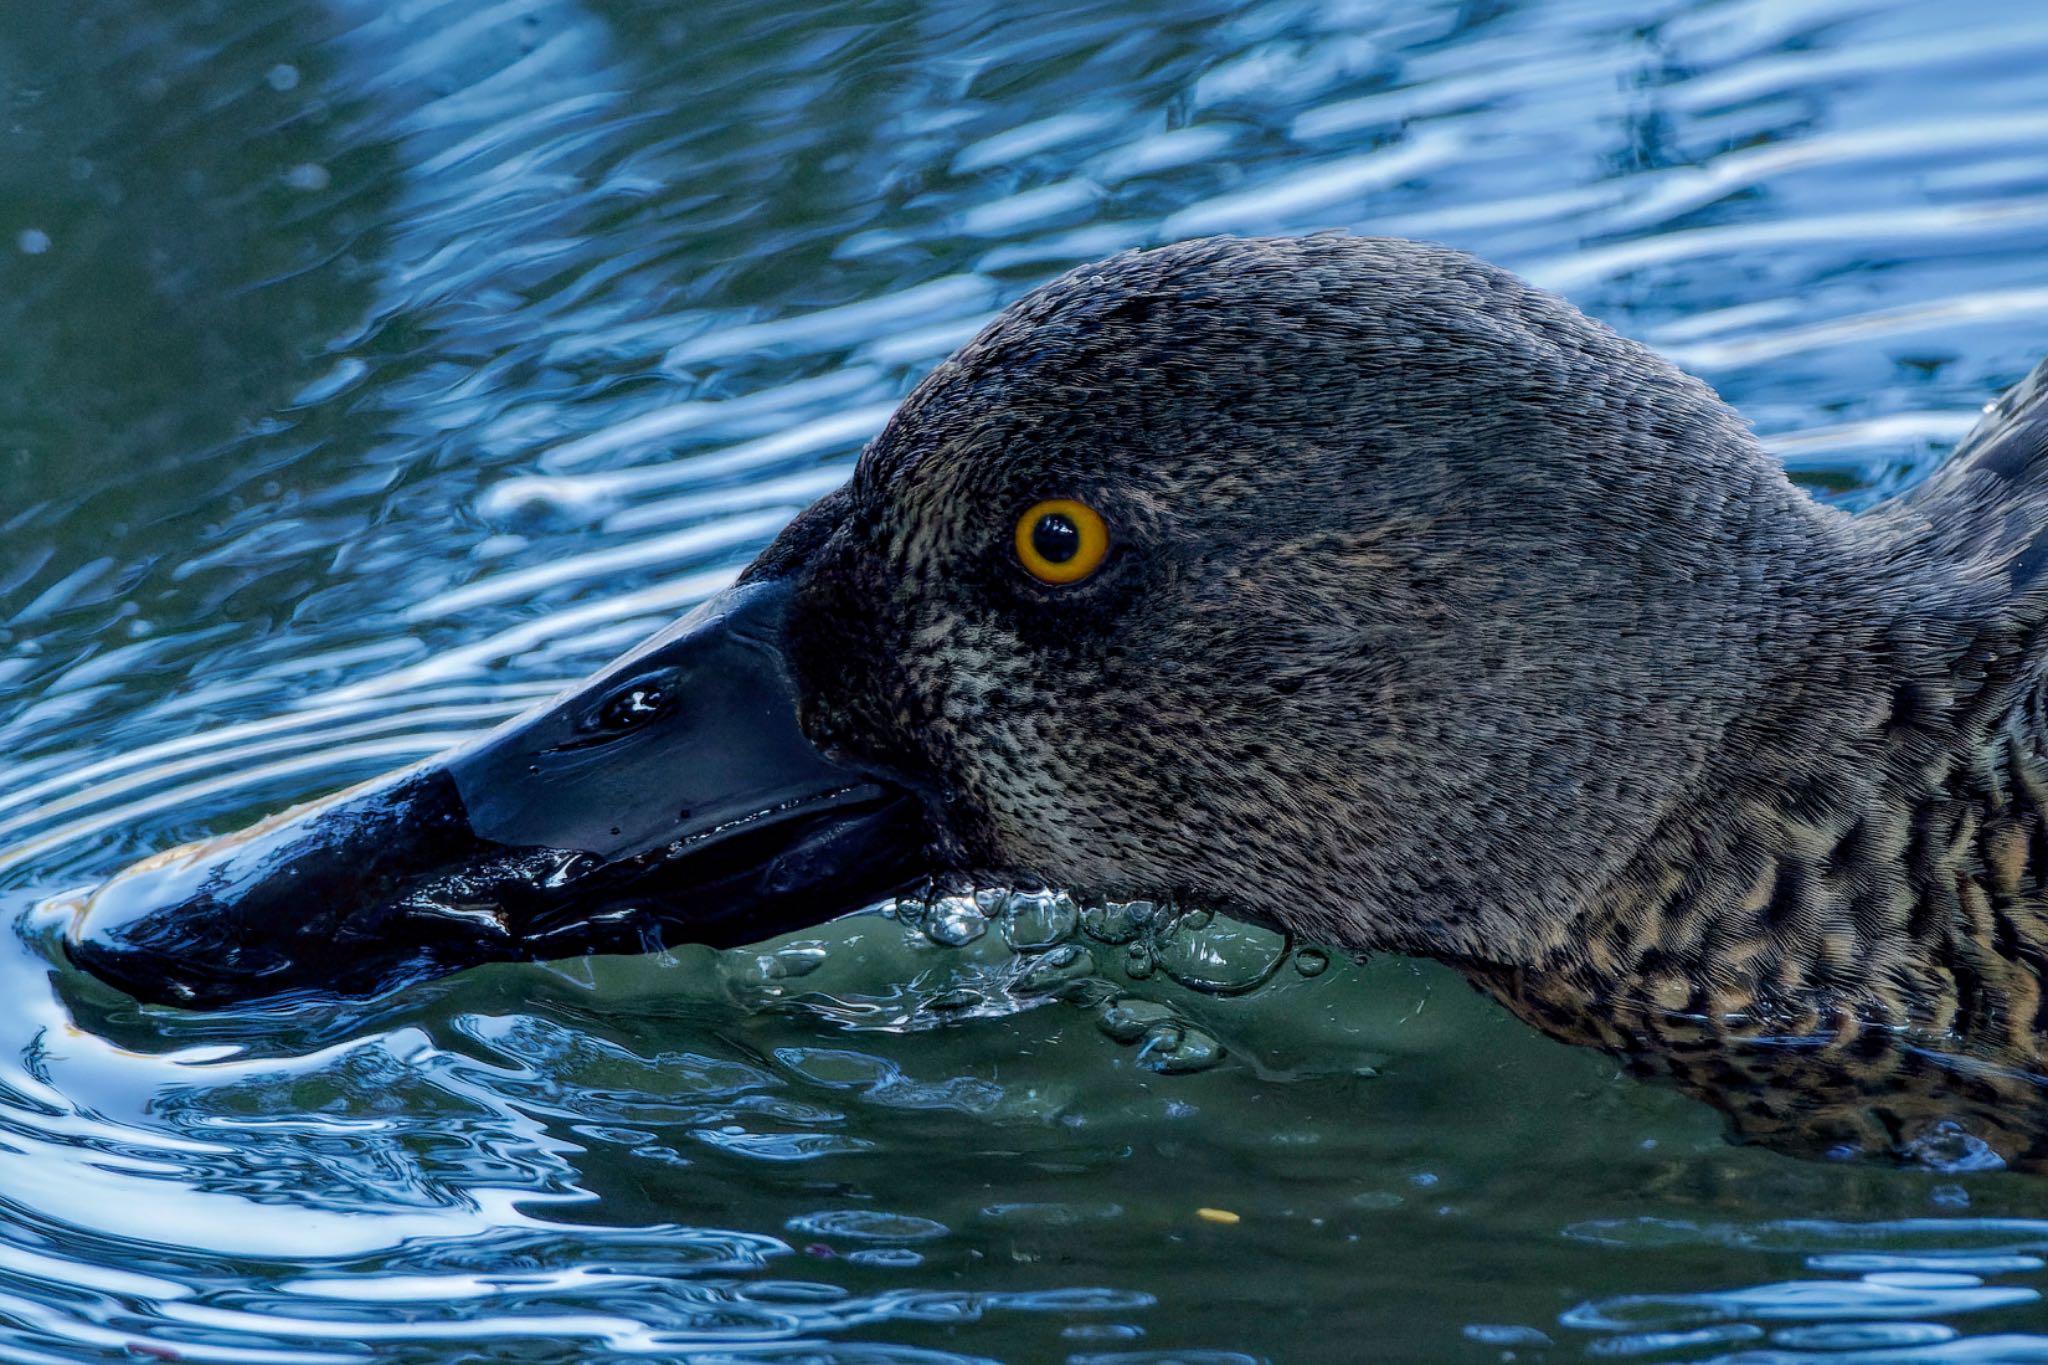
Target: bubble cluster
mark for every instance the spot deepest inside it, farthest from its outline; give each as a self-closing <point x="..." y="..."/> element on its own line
<point x="1093" y="953"/>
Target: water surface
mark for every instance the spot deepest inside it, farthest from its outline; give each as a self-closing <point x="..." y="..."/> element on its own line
<point x="368" y="370"/>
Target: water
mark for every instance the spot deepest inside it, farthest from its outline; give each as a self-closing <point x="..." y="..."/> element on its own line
<point x="369" y="369"/>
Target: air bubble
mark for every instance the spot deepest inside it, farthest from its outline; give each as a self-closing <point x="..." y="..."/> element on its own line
<point x="1176" y="1049"/>
<point x="1037" y="920"/>
<point x="1166" y="1042"/>
<point x="768" y="971"/>
<point x="1062" y="969"/>
<point x="1218" y="957"/>
<point x="1128" y="1018"/>
<point x="954" y="921"/>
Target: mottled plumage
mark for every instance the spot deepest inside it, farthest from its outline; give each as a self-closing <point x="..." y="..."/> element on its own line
<point x="1434" y="617"/>
<point x="1442" y="619"/>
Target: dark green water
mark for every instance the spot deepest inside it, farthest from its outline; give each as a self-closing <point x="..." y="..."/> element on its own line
<point x="370" y="367"/>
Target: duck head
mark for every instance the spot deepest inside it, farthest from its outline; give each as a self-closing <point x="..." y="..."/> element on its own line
<point x="1349" y="584"/>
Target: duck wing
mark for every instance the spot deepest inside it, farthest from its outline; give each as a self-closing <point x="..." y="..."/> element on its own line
<point x="2014" y="428"/>
<point x="1984" y="514"/>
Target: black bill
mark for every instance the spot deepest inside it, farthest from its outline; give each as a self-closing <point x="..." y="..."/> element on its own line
<point x="671" y="798"/>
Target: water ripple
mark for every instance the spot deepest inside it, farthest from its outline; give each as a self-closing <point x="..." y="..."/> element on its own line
<point x="376" y="370"/>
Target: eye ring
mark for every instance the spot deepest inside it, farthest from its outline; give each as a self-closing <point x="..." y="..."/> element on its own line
<point x="1061" y="541"/>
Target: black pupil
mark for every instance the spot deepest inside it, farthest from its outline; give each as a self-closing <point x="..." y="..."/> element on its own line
<point x="1056" y="539"/>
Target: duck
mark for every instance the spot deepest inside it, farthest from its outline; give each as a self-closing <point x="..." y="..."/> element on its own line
<point x="1345" y="584"/>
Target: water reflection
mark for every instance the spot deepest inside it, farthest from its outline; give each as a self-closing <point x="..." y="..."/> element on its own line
<point x="369" y="371"/>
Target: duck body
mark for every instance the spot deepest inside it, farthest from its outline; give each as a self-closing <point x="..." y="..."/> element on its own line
<point x="1430" y="616"/>
<point x="1843" y="940"/>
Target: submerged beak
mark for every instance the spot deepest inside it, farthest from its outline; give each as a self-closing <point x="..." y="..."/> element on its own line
<point x="671" y="798"/>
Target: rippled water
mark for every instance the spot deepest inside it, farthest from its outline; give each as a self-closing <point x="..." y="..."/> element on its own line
<point x="368" y="369"/>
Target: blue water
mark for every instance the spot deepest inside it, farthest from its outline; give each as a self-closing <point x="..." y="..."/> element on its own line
<point x="368" y="369"/>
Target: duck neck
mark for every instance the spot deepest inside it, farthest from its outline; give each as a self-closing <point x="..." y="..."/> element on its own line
<point x="1855" y="846"/>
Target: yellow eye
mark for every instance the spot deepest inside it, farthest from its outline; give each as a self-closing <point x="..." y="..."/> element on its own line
<point x="1061" y="541"/>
